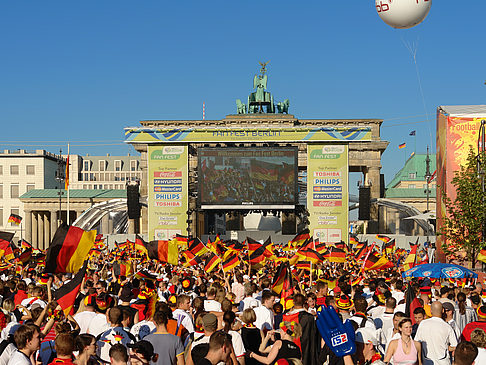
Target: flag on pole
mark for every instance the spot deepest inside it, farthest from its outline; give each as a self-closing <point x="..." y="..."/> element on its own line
<point x="66" y="179"/>
<point x="164" y="251"/>
<point x="14" y="218"/>
<point x="66" y="294"/>
<point x="403" y="145"/>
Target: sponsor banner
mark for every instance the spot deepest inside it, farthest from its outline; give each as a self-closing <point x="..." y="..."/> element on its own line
<point x="167" y="197"/>
<point x="318" y="134"/>
<point x="328" y="202"/>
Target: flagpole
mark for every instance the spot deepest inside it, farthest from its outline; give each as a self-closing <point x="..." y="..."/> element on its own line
<point x="67" y="178"/>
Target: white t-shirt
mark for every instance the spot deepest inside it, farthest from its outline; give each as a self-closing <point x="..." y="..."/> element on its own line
<point x="98" y="324"/>
<point x="210" y="305"/>
<point x="481" y="358"/>
<point x="264" y="318"/>
<point x="237" y="342"/>
<point x="19" y="358"/>
<point x="29" y="302"/>
<point x="7" y="353"/>
<point x="182" y="317"/>
<point x="142" y="329"/>
<point x="436" y="336"/>
<point x="84" y="319"/>
<point x="250" y="302"/>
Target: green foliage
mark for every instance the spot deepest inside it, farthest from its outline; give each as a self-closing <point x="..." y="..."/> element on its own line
<point x="463" y="224"/>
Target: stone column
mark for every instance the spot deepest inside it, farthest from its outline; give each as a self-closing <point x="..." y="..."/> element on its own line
<point x="374" y="177"/>
<point x="104" y="223"/>
<point x="53" y="222"/>
<point x="35" y="237"/>
<point x="40" y="225"/>
<point x="110" y="224"/>
<point x="47" y="235"/>
<point x="28" y="226"/>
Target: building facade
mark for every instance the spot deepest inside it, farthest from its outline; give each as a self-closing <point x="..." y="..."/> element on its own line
<point x="22" y="171"/>
<point x="103" y="172"/>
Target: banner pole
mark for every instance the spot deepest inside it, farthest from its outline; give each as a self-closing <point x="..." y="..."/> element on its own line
<point x="67" y="180"/>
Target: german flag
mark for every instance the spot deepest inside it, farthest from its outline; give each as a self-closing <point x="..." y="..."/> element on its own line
<point x="25" y="256"/>
<point x="230" y="261"/>
<point x="6" y="250"/>
<point x="164" y="251"/>
<point x="123" y="268"/>
<point x="68" y="249"/>
<point x="191" y="259"/>
<point x="389" y="247"/>
<point x="197" y="247"/>
<point x="282" y="281"/>
<point x="383" y="238"/>
<point x="6" y="236"/>
<point x="482" y="256"/>
<point x="182" y="241"/>
<point x="306" y="265"/>
<point x="140" y="246"/>
<point x="301" y="237"/>
<point x="311" y="255"/>
<point x="14" y="218"/>
<point x="411" y="258"/>
<point x="353" y="240"/>
<point x="321" y="247"/>
<point x="378" y="263"/>
<point x="25" y="245"/>
<point x="66" y="174"/>
<point x="145" y="275"/>
<point x="66" y="294"/>
<point x="336" y="255"/>
<point x="362" y="252"/>
<point x="256" y="251"/>
<point x="212" y="261"/>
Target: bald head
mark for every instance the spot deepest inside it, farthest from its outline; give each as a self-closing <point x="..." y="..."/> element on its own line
<point x="436" y="309"/>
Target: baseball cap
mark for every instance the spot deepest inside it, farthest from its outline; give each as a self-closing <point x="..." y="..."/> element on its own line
<point x="366" y="335"/>
<point x="448" y="306"/>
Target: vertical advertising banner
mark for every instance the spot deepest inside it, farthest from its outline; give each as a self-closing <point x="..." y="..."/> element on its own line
<point x="167" y="191"/>
<point x="327" y="192"/>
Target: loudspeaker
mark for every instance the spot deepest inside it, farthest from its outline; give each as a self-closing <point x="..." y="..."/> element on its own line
<point x="133" y="202"/>
<point x="364" y="203"/>
<point x="382" y="185"/>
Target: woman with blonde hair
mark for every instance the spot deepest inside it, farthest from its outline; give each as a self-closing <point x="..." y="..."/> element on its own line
<point x="478" y="337"/>
<point x="251" y="336"/>
<point x="283" y="348"/>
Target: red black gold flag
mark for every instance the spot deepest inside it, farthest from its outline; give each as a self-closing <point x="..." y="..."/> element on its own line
<point x="361" y="253"/>
<point x="255" y="251"/>
<point x="212" y="261"/>
<point x="6" y="236"/>
<point x="164" y="251"/>
<point x="182" y="241"/>
<point x="66" y="294"/>
<point x="306" y="265"/>
<point x="353" y="240"/>
<point x="335" y="255"/>
<point x="377" y="263"/>
<point x="25" y="245"/>
<point x="311" y="255"/>
<point x="383" y="238"/>
<point x="123" y="268"/>
<point x="197" y="247"/>
<point x="411" y="259"/>
<point x="140" y="246"/>
<point x="282" y="281"/>
<point x="6" y="250"/>
<point x="191" y="259"/>
<point x="68" y="249"/>
<point x="301" y="237"/>
<point x="14" y="218"/>
<point x="321" y="247"/>
<point x="25" y="256"/>
<point x="230" y="261"/>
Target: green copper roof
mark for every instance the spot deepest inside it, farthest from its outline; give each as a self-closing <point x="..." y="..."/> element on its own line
<point x="415" y="164"/>
<point x="409" y="193"/>
<point x="75" y="194"/>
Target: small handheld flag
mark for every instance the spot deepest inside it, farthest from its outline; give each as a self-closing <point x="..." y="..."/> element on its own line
<point x="403" y="145"/>
<point x="14" y="218"/>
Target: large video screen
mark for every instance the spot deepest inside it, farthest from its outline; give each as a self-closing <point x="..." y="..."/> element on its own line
<point x="246" y="177"/>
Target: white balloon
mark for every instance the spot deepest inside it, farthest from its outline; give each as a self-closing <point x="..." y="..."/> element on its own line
<point x="403" y="14"/>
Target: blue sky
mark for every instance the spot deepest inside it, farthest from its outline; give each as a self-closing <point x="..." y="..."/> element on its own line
<point x="82" y="71"/>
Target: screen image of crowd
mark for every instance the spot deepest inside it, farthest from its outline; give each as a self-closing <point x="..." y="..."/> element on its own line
<point x="232" y="180"/>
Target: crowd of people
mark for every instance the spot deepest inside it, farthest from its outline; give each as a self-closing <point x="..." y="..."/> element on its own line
<point x="174" y="315"/>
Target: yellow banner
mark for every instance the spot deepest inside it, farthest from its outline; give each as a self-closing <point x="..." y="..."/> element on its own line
<point x="167" y="191"/>
<point x="273" y="134"/>
<point x="327" y="192"/>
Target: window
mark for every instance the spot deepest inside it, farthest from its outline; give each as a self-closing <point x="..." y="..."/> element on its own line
<point x="1" y="170"/>
<point x="1" y="216"/>
<point x="133" y="165"/>
<point x="30" y="187"/>
<point x="16" y="212"/>
<point x="86" y="165"/>
<point x="86" y="176"/>
<point x="102" y="165"/>
<point x="14" y="190"/>
<point x="91" y="177"/>
<point x="14" y="169"/>
<point x="118" y="165"/>
<point x="412" y="175"/>
<point x="411" y="186"/>
<point x="1" y="191"/>
<point x="30" y="170"/>
<point x="102" y="176"/>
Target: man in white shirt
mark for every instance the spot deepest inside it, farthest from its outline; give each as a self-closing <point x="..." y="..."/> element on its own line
<point x="210" y="304"/>
<point x="37" y="294"/>
<point x="99" y="322"/>
<point x="264" y="313"/>
<point x="27" y="338"/>
<point x="437" y="338"/>
<point x="248" y="301"/>
<point x="385" y="320"/>
<point x="181" y="314"/>
<point x="85" y="317"/>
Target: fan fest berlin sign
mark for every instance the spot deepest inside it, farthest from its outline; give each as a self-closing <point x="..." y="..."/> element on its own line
<point x="167" y="194"/>
<point x="327" y="191"/>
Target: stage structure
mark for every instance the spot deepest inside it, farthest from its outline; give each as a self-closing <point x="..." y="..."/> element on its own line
<point x="260" y="159"/>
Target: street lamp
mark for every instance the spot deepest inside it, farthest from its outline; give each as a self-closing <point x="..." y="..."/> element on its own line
<point x="60" y="179"/>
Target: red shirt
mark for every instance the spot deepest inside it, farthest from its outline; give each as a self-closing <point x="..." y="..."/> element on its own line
<point x="466" y="332"/>
<point x="321" y="301"/>
<point x="58" y="361"/>
<point x="21" y="295"/>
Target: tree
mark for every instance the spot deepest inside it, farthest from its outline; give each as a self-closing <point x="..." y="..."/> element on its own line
<point x="466" y="216"/>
